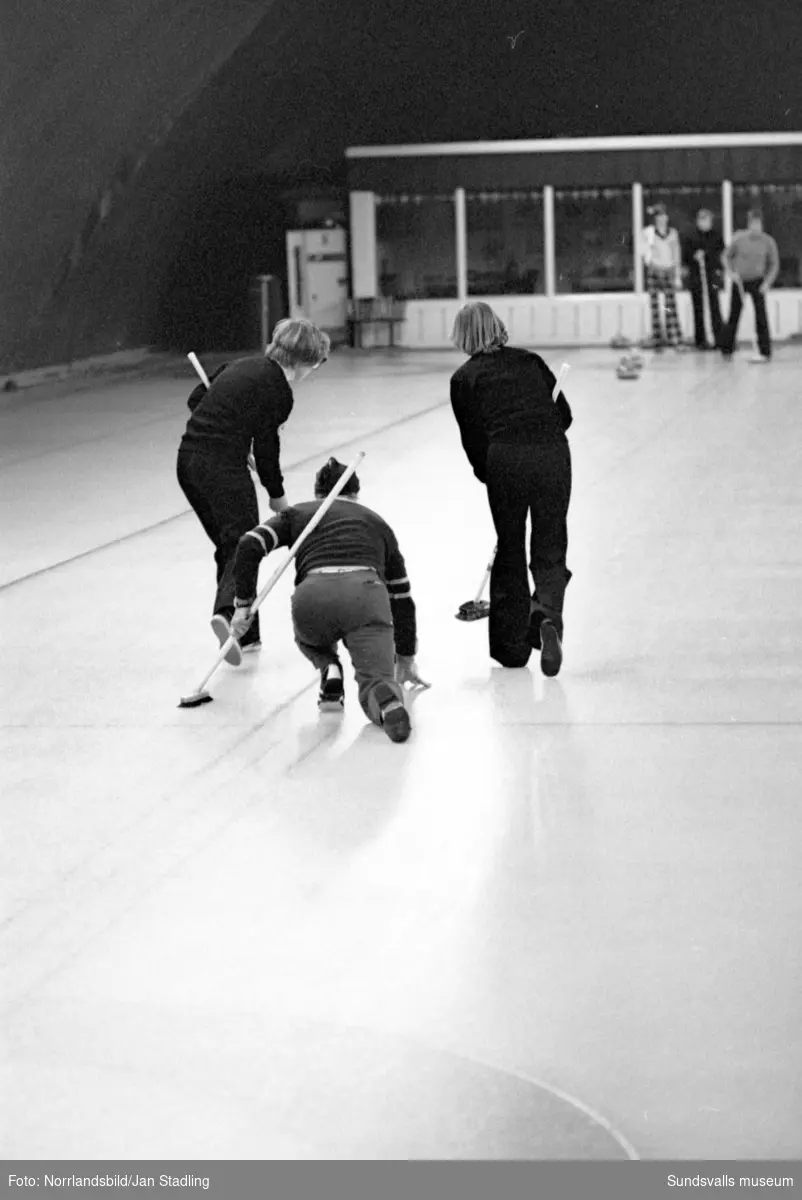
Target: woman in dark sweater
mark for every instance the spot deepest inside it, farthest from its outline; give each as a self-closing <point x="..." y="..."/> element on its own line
<point x="514" y="436"/>
<point x="246" y="404"/>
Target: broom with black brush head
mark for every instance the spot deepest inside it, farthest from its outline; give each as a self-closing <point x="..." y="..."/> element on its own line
<point x="200" y="695"/>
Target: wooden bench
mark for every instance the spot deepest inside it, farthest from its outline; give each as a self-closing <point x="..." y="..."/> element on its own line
<point x="382" y="310"/>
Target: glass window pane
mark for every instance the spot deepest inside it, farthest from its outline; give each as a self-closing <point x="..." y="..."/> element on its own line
<point x="593" y="240"/>
<point x="416" y="247"/>
<point x="505" y="243"/>
<point x="683" y="203"/>
<point x="781" y="205"/>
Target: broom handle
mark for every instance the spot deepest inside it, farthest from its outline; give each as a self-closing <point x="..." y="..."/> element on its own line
<point x="705" y="298"/>
<point x="485" y="577"/>
<point x="204" y="378"/>
<point x="274" y="578"/>
<point x="564" y="369"/>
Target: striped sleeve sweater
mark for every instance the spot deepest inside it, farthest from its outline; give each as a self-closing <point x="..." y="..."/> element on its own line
<point x="349" y="535"/>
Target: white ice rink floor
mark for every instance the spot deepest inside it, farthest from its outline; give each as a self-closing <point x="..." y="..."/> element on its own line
<point x="563" y="921"/>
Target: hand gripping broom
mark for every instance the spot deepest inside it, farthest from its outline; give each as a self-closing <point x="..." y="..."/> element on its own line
<point x="200" y="695"/>
<point x="477" y="609"/>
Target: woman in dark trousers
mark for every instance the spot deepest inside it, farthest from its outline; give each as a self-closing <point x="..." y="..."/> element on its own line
<point x="514" y="436"/>
<point x="246" y="404"/>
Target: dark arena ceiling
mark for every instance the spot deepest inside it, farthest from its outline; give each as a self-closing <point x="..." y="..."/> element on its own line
<point x="145" y="145"/>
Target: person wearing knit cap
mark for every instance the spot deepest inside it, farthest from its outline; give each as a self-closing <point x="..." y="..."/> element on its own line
<point x="660" y="249"/>
<point x="351" y="586"/>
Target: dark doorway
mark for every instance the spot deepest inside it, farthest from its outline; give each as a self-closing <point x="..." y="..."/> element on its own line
<point x="234" y="231"/>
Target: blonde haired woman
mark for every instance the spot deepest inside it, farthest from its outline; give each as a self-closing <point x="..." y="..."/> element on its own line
<point x="246" y="404"/>
<point x="513" y="434"/>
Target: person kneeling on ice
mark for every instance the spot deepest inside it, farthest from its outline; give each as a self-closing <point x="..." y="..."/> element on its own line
<point x="351" y="585"/>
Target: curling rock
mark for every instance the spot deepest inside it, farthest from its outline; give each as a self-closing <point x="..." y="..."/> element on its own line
<point x="619" y="342"/>
<point x="627" y="370"/>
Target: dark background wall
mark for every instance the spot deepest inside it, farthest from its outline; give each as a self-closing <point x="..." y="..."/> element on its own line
<point x="146" y="145"/>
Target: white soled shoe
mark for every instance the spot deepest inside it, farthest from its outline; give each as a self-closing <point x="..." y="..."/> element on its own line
<point x="222" y="631"/>
<point x="332" y="692"/>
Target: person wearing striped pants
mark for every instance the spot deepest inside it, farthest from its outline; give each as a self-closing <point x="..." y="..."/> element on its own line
<point x="660" y="249"/>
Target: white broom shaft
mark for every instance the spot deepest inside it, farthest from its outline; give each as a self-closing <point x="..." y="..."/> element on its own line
<point x="705" y="297"/>
<point x="564" y="369"/>
<point x="485" y="578"/>
<point x="204" y="378"/>
<point x="316" y="519"/>
<point x="325" y="506"/>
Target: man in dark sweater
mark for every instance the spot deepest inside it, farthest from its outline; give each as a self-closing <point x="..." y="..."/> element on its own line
<point x="701" y="257"/>
<point x="351" y="585"/>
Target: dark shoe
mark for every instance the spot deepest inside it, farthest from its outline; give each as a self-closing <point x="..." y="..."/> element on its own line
<point x="551" y="654"/>
<point x="513" y="660"/>
<point x="394" y="716"/>
<point x="332" y="691"/>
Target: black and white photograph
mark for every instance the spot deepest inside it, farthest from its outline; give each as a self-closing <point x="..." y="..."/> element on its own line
<point x="400" y="598"/>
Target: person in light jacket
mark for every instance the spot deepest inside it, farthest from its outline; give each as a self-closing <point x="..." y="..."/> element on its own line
<point x="660" y="249"/>
<point x="753" y="260"/>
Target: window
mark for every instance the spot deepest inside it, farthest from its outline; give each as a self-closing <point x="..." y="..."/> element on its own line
<point x="416" y="247"/>
<point x="505" y="243"/>
<point x="593" y="240"/>
<point x="781" y="205"/>
<point x="683" y="204"/>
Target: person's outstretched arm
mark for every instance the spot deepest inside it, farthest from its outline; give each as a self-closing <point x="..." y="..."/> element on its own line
<point x="404" y="614"/>
<point x="252" y="547"/>
<point x="471" y="430"/>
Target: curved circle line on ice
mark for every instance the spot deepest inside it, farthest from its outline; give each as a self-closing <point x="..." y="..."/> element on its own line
<point x="558" y="1093"/>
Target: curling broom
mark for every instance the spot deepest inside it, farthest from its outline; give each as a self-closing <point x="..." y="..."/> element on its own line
<point x="477" y="609"/>
<point x="200" y="695"/>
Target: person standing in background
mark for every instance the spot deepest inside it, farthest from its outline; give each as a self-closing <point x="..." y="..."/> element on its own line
<point x="753" y="260"/>
<point x="701" y="256"/>
<point x="660" y="249"/>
